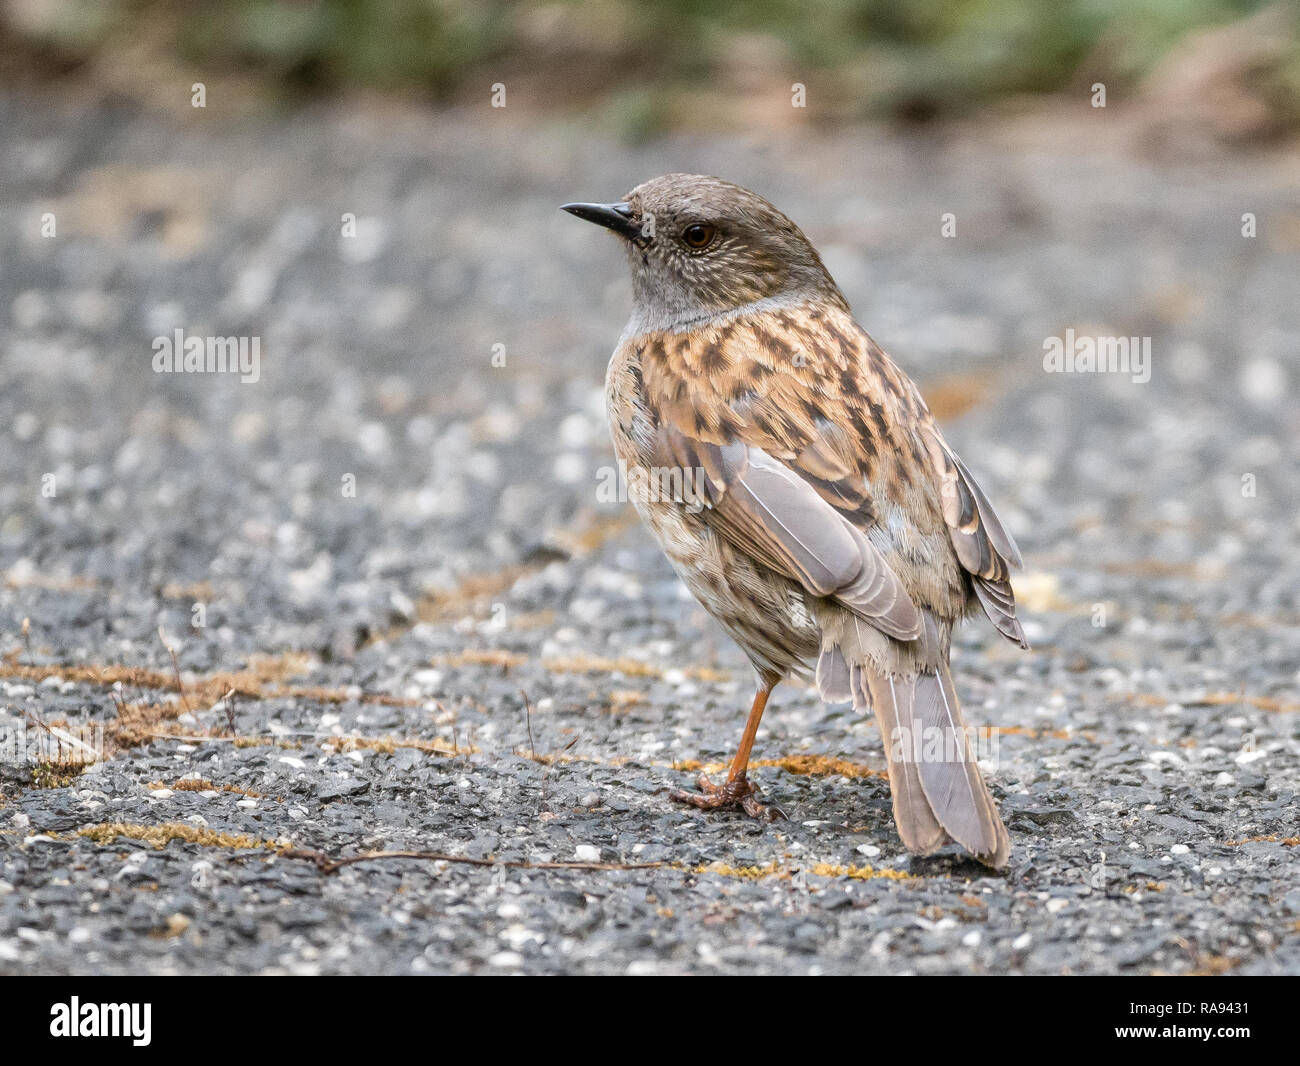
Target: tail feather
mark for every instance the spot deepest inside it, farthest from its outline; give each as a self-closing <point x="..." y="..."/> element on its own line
<point x="833" y="675"/>
<point x="953" y="784"/>
<point x="892" y="703"/>
<point x="938" y="791"/>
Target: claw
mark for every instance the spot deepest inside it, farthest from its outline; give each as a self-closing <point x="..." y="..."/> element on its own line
<point x="732" y="793"/>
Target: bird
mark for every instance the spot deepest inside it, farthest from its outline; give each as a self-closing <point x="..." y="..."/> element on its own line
<point x="802" y="490"/>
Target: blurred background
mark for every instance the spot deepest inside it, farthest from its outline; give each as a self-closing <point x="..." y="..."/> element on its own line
<point x="642" y="69"/>
<point x="395" y="533"/>
<point x="370" y="188"/>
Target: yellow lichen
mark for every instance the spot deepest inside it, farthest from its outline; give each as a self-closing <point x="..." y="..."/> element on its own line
<point x="621" y="699"/>
<point x="859" y="873"/>
<point x="158" y="836"/>
<point x="388" y="745"/>
<point x="819" y="765"/>
<point x="1270" y="838"/>
<point x="482" y="657"/>
<point x="746" y="873"/>
<point x="813" y="765"/>
<point x="822" y="869"/>
<point x="198" y="784"/>
<point x="595" y="664"/>
<point x="56" y="774"/>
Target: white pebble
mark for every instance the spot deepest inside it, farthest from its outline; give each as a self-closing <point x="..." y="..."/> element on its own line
<point x="1263" y="382"/>
<point x="506" y="959"/>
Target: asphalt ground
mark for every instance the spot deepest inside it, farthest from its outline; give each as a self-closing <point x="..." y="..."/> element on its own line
<point x="423" y="628"/>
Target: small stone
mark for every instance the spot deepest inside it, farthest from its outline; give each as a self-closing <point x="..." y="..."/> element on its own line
<point x="340" y="787"/>
<point x="506" y="959"/>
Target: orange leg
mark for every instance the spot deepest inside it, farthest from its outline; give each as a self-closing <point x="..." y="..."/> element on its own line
<point x="737" y="790"/>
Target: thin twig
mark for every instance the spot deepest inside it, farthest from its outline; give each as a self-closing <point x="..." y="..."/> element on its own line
<point x="528" y="717"/>
<point x="228" y="704"/>
<point x="176" y="667"/>
<point x="36" y="720"/>
<point x="60" y="736"/>
<point x="327" y="865"/>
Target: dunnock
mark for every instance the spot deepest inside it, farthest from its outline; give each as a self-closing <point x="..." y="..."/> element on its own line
<point x="800" y="487"/>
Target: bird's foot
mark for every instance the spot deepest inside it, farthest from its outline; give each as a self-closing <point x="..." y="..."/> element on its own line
<point x="737" y="792"/>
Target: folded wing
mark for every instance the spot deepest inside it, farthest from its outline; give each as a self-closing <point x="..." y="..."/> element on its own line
<point x="772" y="513"/>
<point x="984" y="548"/>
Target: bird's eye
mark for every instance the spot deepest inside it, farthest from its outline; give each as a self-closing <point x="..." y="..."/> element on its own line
<point x="698" y="235"/>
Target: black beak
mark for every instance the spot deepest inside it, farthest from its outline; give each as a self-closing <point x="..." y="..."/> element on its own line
<point x="617" y="217"/>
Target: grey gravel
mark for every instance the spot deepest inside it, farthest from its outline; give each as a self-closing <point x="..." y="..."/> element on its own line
<point x="1150" y="815"/>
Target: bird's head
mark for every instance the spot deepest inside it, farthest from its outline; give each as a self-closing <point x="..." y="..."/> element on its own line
<point x="700" y="247"/>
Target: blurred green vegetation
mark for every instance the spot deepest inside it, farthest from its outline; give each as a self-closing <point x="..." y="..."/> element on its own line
<point x="915" y="58"/>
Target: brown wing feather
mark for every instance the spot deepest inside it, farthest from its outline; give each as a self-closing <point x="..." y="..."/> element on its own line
<point x="984" y="547"/>
<point x="770" y="512"/>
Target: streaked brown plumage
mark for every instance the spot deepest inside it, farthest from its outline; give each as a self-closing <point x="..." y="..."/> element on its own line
<point x="822" y="517"/>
